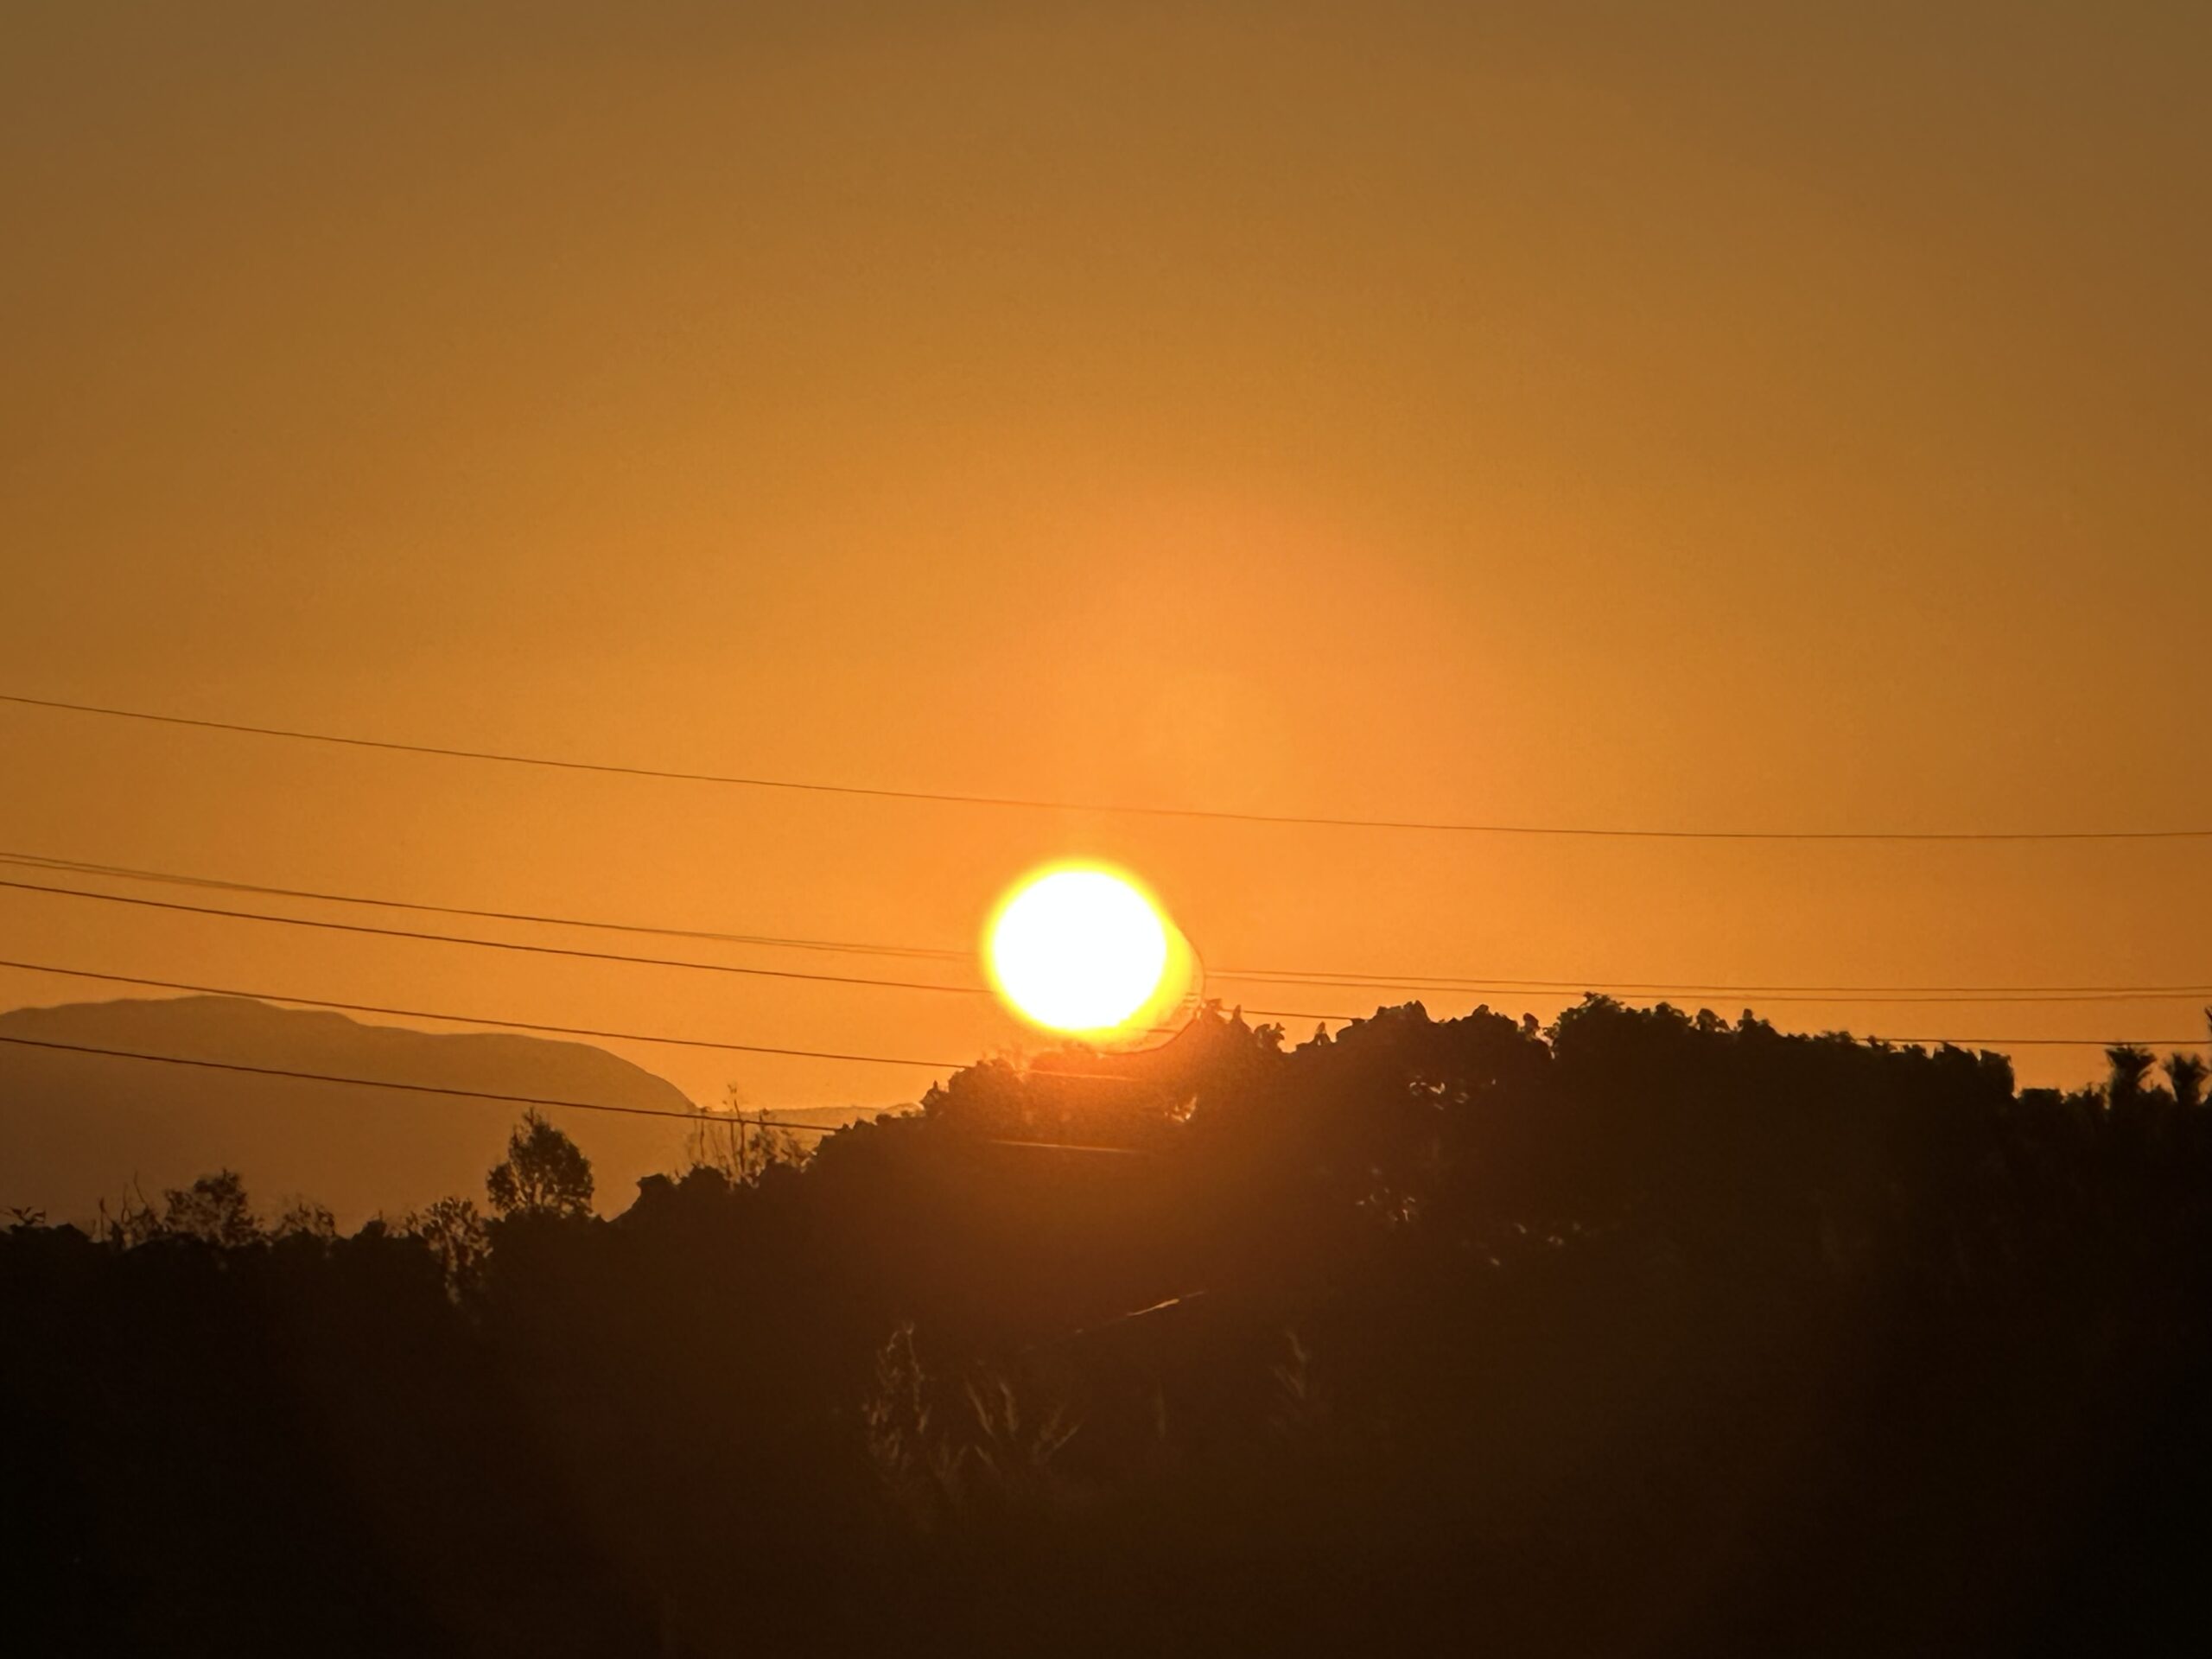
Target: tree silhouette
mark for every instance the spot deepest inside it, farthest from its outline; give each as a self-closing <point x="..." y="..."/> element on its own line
<point x="1426" y="1333"/>
<point x="741" y="1146"/>
<point x="213" y="1209"/>
<point x="454" y="1234"/>
<point x="2130" y="1066"/>
<point x="2187" y="1071"/>
<point x="544" y="1172"/>
<point x="305" y="1218"/>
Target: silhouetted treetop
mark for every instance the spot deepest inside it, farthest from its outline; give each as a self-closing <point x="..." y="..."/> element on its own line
<point x="544" y="1172"/>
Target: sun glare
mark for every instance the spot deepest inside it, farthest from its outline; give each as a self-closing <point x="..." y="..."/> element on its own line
<point x="1078" y="949"/>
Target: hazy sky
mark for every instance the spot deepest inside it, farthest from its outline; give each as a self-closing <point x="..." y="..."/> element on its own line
<point x="1751" y="416"/>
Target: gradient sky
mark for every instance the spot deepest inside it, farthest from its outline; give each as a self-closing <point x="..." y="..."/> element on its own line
<point x="1740" y="415"/>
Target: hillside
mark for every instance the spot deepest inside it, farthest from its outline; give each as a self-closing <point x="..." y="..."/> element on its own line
<point x="74" y="1129"/>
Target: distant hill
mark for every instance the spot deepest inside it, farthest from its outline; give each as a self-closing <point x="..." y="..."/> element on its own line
<point x="74" y="1129"/>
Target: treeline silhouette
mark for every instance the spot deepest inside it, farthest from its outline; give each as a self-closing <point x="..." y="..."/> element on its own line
<point x="1644" y="1333"/>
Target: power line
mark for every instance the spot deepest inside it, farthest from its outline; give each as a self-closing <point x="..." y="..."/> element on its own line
<point x="488" y="944"/>
<point x="2198" y="1041"/>
<point x="477" y="1019"/>
<point x="501" y="944"/>
<point x="510" y="944"/>
<point x="1117" y="808"/>
<point x="697" y="1116"/>
<point x="288" y="1072"/>
<point x="507" y="945"/>
<point x="1816" y="994"/>
<point x="78" y="866"/>
<point x="297" y="1075"/>
<point x="776" y="973"/>
<point x="885" y="1059"/>
<point x="1952" y="1042"/>
<point x="604" y="1035"/>
<point x="713" y="1120"/>
<point x="1066" y="1145"/>
<point x="1281" y="976"/>
<point x="525" y="1025"/>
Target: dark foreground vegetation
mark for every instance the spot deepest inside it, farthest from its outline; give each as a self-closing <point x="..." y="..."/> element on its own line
<point x="1650" y="1334"/>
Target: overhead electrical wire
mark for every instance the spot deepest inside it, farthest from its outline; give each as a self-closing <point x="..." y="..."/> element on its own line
<point x="1956" y="1042"/>
<point x="1816" y="994"/>
<point x="609" y="1035"/>
<point x="423" y="935"/>
<point x="1833" y="993"/>
<point x="663" y="962"/>
<point x="420" y="935"/>
<point x="776" y="973"/>
<point x="79" y="866"/>
<point x="1103" y="808"/>
<point x="191" y="988"/>
<point x="1322" y="979"/>
<point x="2199" y="1041"/>
<point x="712" y="1120"/>
<point x="477" y="1018"/>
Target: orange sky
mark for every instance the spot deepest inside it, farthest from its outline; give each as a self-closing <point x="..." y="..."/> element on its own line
<point x="1748" y="420"/>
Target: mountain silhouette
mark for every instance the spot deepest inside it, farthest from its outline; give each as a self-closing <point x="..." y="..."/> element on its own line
<point x="77" y="1128"/>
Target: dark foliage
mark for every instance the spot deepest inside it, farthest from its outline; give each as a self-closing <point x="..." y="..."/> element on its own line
<point x="1650" y="1334"/>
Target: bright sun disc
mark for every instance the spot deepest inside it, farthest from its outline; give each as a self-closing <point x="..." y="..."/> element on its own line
<point x="1077" y="949"/>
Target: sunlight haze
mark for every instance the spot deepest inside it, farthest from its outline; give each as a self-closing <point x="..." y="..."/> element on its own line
<point x="1758" y="419"/>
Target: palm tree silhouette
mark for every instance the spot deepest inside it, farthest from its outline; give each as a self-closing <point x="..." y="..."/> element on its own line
<point x="2187" y="1073"/>
<point x="2130" y="1066"/>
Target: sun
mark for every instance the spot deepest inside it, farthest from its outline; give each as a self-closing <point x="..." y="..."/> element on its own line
<point x="1077" y="949"/>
